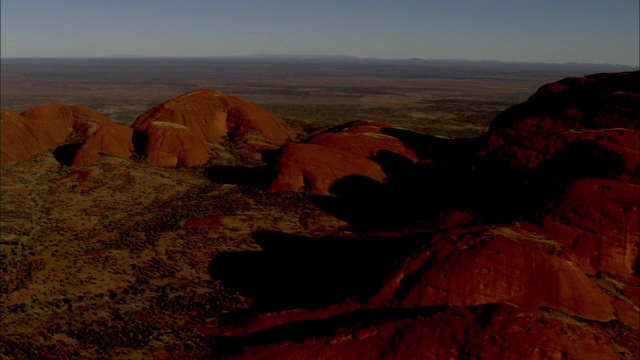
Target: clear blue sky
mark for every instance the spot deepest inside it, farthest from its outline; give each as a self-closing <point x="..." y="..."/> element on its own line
<point x="587" y="31"/>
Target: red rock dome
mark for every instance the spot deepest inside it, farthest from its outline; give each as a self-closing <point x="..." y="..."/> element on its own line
<point x="43" y="127"/>
<point x="211" y="115"/>
<point x="112" y="139"/>
<point x="170" y="144"/>
<point x="320" y="166"/>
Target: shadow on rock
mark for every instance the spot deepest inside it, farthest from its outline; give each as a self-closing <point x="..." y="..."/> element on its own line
<point x="412" y="192"/>
<point x="437" y="149"/>
<point x="300" y="272"/>
<point x="366" y="204"/>
<point x="256" y="176"/>
<point x="64" y="154"/>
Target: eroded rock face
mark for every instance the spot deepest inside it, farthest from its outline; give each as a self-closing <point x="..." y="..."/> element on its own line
<point x="320" y="166"/>
<point x="501" y="265"/>
<point x="58" y="120"/>
<point x="211" y="115"/>
<point x="555" y="280"/>
<point x="598" y="220"/>
<point x="337" y="153"/>
<point x="487" y="332"/>
<point x="43" y="127"/>
<point x="543" y="243"/>
<point x="365" y="144"/>
<point x="112" y="139"/>
<point x="17" y="139"/>
<point x="170" y="144"/>
<point x="601" y="108"/>
<point x="182" y="130"/>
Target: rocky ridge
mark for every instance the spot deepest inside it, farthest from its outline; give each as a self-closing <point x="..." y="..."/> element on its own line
<point x="541" y="214"/>
<point x="181" y="131"/>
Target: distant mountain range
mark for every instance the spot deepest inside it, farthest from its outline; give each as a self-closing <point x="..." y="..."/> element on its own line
<point x="344" y="58"/>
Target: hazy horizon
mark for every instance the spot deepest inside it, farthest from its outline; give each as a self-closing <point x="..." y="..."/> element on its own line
<point x="588" y="32"/>
<point x="308" y="57"/>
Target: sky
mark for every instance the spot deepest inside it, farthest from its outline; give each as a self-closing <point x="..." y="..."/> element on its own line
<point x="551" y="31"/>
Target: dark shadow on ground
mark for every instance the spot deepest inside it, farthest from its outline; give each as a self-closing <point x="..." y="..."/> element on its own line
<point x="256" y="176"/>
<point x="300" y="272"/>
<point x="64" y="154"/>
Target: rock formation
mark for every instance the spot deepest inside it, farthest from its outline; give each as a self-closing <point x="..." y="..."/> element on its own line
<point x="17" y="140"/>
<point x="44" y="127"/>
<point x="363" y="144"/>
<point x="320" y="167"/>
<point x="485" y="332"/>
<point x="531" y="234"/>
<point x="522" y="243"/>
<point x="334" y="154"/>
<point x="601" y="108"/>
<point x="212" y="115"/>
<point x="177" y="132"/>
<point x="170" y="144"/>
<point x="209" y="117"/>
<point x="112" y="139"/>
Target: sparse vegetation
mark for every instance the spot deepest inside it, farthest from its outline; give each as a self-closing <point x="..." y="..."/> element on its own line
<point x="99" y="262"/>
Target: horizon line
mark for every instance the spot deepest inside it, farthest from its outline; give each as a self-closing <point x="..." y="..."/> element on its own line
<point x="312" y="56"/>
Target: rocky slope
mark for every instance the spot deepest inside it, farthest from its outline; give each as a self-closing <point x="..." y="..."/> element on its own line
<point x="541" y="214"/>
<point x="361" y="241"/>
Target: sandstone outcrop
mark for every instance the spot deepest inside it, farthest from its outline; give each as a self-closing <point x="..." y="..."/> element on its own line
<point x="366" y="144"/>
<point x="112" y="139"/>
<point x="601" y="108"/>
<point x="56" y="121"/>
<point x="189" y="124"/>
<point x="170" y="144"/>
<point x="44" y="127"/>
<point x="598" y="220"/>
<point x="486" y="332"/>
<point x="177" y="132"/>
<point x="336" y="153"/>
<point x="501" y="265"/>
<point x="319" y="167"/>
<point x="533" y="235"/>
<point x="522" y="244"/>
<point x="17" y="140"/>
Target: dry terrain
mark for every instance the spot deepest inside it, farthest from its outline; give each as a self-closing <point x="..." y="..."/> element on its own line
<point x="124" y="259"/>
<point x="456" y="97"/>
